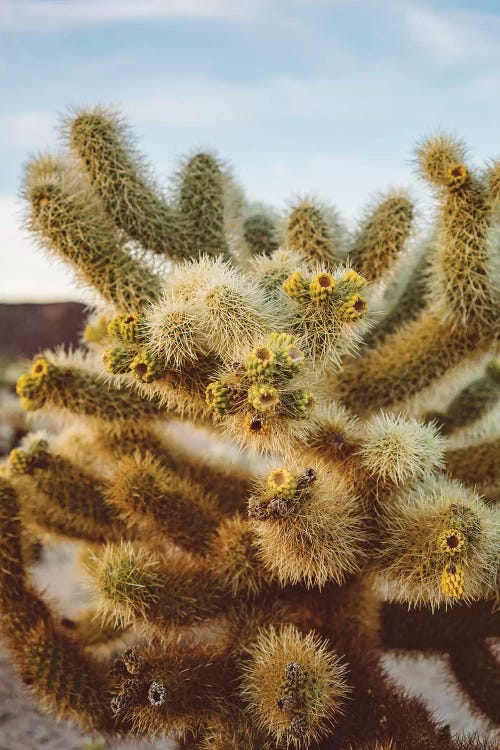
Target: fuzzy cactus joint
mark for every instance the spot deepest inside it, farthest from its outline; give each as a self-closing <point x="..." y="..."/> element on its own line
<point x="277" y="448"/>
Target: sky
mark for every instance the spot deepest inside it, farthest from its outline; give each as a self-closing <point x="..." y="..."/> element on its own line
<point x="302" y="97"/>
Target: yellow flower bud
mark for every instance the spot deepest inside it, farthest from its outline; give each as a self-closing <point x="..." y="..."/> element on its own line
<point x="458" y="175"/>
<point x="263" y="397"/>
<point x="282" y="483"/>
<point x="146" y="367"/>
<point x="322" y="286"/>
<point x="354" y="307"/>
<point x="453" y="580"/>
<point x="217" y="397"/>
<point x="352" y="277"/>
<point x="296" y="287"/>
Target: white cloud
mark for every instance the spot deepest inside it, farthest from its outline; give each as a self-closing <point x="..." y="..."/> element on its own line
<point x="451" y="37"/>
<point x="35" y="14"/>
<point x="27" y="275"/>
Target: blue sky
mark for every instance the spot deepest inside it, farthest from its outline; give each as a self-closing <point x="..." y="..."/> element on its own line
<point x="324" y="97"/>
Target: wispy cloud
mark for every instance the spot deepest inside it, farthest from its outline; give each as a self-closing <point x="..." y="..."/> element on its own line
<point x="27" y="130"/>
<point x="451" y="37"/>
<point x="201" y="101"/>
<point x="25" y="14"/>
<point x="204" y="103"/>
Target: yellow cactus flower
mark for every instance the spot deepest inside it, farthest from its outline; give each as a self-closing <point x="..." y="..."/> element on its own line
<point x="261" y="363"/>
<point x="322" y="286"/>
<point x="451" y="542"/>
<point x="40" y="368"/>
<point x="302" y="402"/>
<point x="282" y="483"/>
<point x="97" y="332"/>
<point x="146" y="367"/>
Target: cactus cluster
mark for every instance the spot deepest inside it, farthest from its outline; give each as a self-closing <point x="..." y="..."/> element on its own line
<point x="244" y="601"/>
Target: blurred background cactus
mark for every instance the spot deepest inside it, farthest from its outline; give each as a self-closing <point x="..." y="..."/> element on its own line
<point x="241" y="599"/>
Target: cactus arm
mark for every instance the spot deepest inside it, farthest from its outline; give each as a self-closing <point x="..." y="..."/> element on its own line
<point x="439" y="630"/>
<point x="69" y="221"/>
<point x="382" y="236"/>
<point x="59" y="673"/>
<point x="478" y="674"/>
<point x="118" y="174"/>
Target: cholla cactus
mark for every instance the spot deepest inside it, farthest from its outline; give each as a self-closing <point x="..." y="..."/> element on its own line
<point x="258" y="595"/>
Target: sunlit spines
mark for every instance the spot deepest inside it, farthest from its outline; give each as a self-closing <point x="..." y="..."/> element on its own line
<point x="437" y="156"/>
<point x="232" y="556"/>
<point x="464" y="279"/>
<point x="328" y="309"/>
<point x="226" y="307"/>
<point x="334" y="433"/>
<point x="172" y="331"/>
<point x="259" y="234"/>
<point x="308" y="525"/>
<point x="382" y="236"/>
<point x="295" y="687"/>
<point x="59" y="497"/>
<point x="271" y="271"/>
<point x="69" y="221"/>
<point x="201" y="205"/>
<point x="231" y="309"/>
<point x="161" y="502"/>
<point x="400" y="449"/>
<point x="101" y="141"/>
<point x="408" y="361"/>
<point x="259" y="399"/>
<point x="307" y="232"/>
<point x="493" y="182"/>
<point x="73" y="385"/>
<point x="64" y="678"/>
<point x="439" y="543"/>
<point x="133" y="584"/>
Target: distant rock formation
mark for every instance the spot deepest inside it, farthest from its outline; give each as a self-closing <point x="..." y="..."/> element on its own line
<point x="26" y="329"/>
